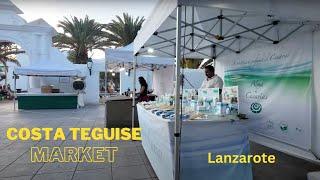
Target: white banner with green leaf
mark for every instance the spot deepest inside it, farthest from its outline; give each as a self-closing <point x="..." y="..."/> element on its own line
<point x="274" y="88"/>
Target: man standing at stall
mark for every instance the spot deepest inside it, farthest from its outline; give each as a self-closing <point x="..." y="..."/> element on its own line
<point x="212" y="80"/>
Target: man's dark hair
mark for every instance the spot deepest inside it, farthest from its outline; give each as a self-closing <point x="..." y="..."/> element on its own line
<point x="210" y="68"/>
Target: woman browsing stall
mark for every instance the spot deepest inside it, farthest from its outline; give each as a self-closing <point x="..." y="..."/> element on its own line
<point x="143" y="94"/>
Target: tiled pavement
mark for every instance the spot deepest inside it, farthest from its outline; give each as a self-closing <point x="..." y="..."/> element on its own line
<point x="131" y="161"/>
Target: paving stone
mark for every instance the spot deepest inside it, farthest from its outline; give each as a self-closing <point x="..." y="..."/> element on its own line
<point x="140" y="150"/>
<point x="71" y="143"/>
<point x="20" y="170"/>
<point x="54" y="176"/>
<point x="131" y="160"/>
<point x="7" y="159"/>
<point x="1" y="168"/>
<point x="57" y="167"/>
<point x="99" y="174"/>
<point x="124" y="143"/>
<point x="49" y="143"/>
<point x="99" y="143"/>
<point x="127" y="151"/>
<point x="130" y="172"/>
<point x="151" y="171"/>
<point x="24" y="159"/>
<point x="92" y="166"/>
<point x="17" y="178"/>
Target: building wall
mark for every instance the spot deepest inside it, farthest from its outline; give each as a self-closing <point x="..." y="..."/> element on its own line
<point x="92" y="83"/>
<point x="22" y="82"/>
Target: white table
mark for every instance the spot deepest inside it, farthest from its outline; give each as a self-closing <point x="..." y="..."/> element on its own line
<point x="198" y="138"/>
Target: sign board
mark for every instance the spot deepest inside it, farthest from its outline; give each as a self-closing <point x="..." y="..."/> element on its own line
<point x="275" y="88"/>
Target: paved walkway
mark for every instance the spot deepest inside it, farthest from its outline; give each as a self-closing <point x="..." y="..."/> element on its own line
<point x="131" y="161"/>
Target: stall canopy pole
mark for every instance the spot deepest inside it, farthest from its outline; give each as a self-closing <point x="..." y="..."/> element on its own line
<point x="177" y="97"/>
<point x="14" y="91"/>
<point x="105" y="79"/>
<point x="105" y="88"/>
<point x="134" y="89"/>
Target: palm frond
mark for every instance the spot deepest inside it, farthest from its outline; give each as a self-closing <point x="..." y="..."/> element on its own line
<point x="122" y="31"/>
<point x="9" y="59"/>
<point x="8" y="52"/>
<point x="81" y="36"/>
<point x="12" y="52"/>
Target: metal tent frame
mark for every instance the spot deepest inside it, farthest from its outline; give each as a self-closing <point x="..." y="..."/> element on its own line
<point x="224" y="40"/>
<point x="235" y="39"/>
<point x="124" y="56"/>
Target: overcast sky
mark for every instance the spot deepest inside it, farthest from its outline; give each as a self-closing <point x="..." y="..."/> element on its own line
<point x="102" y="11"/>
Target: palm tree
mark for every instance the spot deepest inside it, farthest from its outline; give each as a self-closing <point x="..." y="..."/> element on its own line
<point x="8" y="52"/>
<point x="191" y="63"/>
<point x="122" y="31"/>
<point x="79" y="37"/>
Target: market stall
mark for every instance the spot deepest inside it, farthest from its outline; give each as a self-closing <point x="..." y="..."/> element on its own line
<point x="209" y="125"/>
<point x="123" y="59"/>
<point x="54" y="89"/>
<point x="199" y="137"/>
<point x="214" y="29"/>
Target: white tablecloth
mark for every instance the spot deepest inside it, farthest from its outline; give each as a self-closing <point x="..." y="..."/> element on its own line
<point x="197" y="140"/>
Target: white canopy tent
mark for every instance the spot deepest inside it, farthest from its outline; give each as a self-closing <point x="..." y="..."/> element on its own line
<point x="56" y="65"/>
<point x="219" y="23"/>
<point x="210" y="29"/>
<point x="124" y="56"/>
<point x="51" y="70"/>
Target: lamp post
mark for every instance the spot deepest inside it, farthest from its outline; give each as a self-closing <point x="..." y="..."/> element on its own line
<point x="89" y="65"/>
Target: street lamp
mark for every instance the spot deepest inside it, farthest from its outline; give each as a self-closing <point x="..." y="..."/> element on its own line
<point x="89" y="65"/>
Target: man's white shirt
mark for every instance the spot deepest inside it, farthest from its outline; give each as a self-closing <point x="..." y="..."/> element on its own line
<point x="213" y="82"/>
